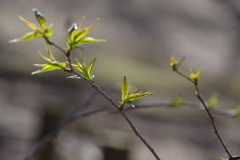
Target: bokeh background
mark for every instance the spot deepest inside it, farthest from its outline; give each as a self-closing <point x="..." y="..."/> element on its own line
<point x="141" y="37"/>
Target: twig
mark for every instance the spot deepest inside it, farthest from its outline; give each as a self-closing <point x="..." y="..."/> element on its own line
<point x="73" y="117"/>
<point x="180" y="62"/>
<point x="206" y="108"/>
<point x="51" y="43"/>
<point x="94" y="86"/>
<point x="212" y="120"/>
<point x="53" y="133"/>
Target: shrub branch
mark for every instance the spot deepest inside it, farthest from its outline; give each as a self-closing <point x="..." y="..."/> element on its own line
<point x="98" y="89"/>
<point x="198" y="94"/>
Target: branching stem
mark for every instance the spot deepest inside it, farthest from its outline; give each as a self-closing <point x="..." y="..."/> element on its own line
<point x="98" y="89"/>
<point x="207" y="110"/>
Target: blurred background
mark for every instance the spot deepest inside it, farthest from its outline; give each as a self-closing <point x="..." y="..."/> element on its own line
<point x="141" y="37"/>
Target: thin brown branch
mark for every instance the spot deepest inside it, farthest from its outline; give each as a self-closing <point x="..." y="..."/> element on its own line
<point x="94" y="86"/>
<point x="76" y="114"/>
<point x="181" y="74"/>
<point x="212" y="120"/>
<point x="180" y="62"/>
<point x="67" y="53"/>
<point x="207" y="110"/>
<point x="51" y="43"/>
<point x="138" y="134"/>
<point x="70" y="63"/>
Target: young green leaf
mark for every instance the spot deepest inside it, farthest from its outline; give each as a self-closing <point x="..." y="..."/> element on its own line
<point x="43" y="31"/>
<point x="124" y="89"/>
<point x="31" y="25"/>
<point x="177" y="102"/>
<point x="174" y="62"/>
<point x="50" y="54"/>
<point x="213" y="100"/>
<point x="47" y="59"/>
<point x="131" y="97"/>
<point x="90" y="67"/>
<point x="74" y="35"/>
<point x="86" y="31"/>
<point x="50" y="67"/>
<point x="77" y="36"/>
<point x="88" y="40"/>
<point x="82" y="68"/>
<point x="195" y="76"/>
<point x="79" y="66"/>
<point x="48" y="32"/>
<point x="41" y="20"/>
<point x="135" y="96"/>
<point x="28" y="36"/>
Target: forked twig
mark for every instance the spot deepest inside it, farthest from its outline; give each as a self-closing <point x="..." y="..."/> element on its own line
<point x="99" y="90"/>
<point x="175" y="68"/>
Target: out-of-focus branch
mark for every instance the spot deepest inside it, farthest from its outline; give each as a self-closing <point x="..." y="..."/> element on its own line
<point x="67" y="121"/>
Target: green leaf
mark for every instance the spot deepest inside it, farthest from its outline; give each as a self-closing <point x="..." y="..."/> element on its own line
<point x="60" y="65"/>
<point x="79" y="66"/>
<point x="41" y="20"/>
<point x="86" y="31"/>
<point x="50" y="67"/>
<point x="31" y="25"/>
<point x="50" y="54"/>
<point x="28" y="36"/>
<point x="74" y="35"/>
<point x="124" y="88"/>
<point x="88" y="40"/>
<point x="48" y="32"/>
<point x="135" y="96"/>
<point x="90" y="67"/>
<point x="213" y="100"/>
<point x="178" y="101"/>
<point x="195" y="76"/>
<point x="174" y="62"/>
<point x="47" y="59"/>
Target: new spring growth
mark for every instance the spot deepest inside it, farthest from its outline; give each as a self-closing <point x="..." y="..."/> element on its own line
<point x="52" y="64"/>
<point x="128" y="98"/>
<point x="76" y="36"/>
<point x="177" y="102"/>
<point x="42" y="31"/>
<point x="174" y="62"/>
<point x="195" y="76"/>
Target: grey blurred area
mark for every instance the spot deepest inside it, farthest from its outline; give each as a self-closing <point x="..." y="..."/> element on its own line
<point x="141" y="36"/>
